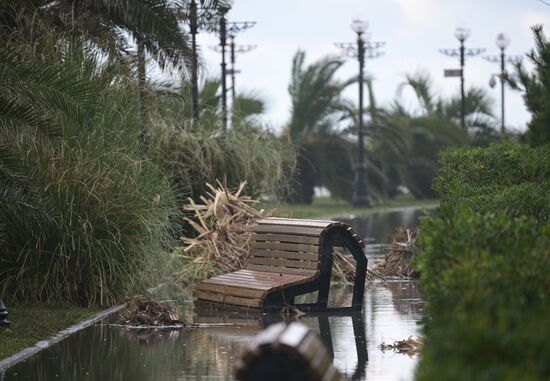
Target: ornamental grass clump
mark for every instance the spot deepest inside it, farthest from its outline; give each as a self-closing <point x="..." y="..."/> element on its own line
<point x="84" y="211"/>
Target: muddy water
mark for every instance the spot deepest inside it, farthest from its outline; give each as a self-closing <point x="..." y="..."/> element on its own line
<point x="103" y="353"/>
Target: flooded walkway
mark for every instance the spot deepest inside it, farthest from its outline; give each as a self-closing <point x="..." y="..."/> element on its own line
<point x="104" y="353"/>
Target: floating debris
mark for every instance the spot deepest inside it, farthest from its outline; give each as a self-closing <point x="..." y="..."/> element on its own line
<point x="408" y="346"/>
<point x="223" y="225"/>
<point x="289" y="310"/>
<point x="397" y="260"/>
<point x="150" y="314"/>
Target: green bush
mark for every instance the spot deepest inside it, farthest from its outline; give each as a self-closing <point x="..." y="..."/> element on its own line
<point x="85" y="213"/>
<point x="484" y="262"/>
<point x="503" y="165"/>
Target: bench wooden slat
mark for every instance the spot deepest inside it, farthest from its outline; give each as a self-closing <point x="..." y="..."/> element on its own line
<point x="286" y="238"/>
<point x="292" y="230"/>
<point x="284" y="263"/>
<point x="233" y="290"/>
<point x="270" y="283"/>
<point x="285" y="254"/>
<point x="253" y="274"/>
<point x="285" y="246"/>
<point x="291" y="222"/>
<point x="279" y="269"/>
<point x="260" y="279"/>
<point x="220" y="298"/>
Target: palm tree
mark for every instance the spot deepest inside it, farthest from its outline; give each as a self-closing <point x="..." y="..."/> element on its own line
<point x="317" y="108"/>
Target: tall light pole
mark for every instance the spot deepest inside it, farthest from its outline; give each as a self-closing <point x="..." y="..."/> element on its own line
<point x="236" y="49"/>
<point x="502" y="43"/>
<point x="224" y="7"/>
<point x="194" y="65"/>
<point x="359" y="26"/>
<point x="235" y="27"/>
<point x="462" y="33"/>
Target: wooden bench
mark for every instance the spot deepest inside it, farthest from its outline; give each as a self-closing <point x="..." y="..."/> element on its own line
<point x="288" y="257"/>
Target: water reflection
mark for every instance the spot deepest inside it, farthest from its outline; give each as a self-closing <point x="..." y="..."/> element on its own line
<point x="378" y="228"/>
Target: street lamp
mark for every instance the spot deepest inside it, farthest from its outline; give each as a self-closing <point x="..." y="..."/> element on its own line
<point x="234" y="28"/>
<point x="462" y="33"/>
<point x="359" y="26"/>
<point x="206" y="10"/>
<point x="224" y="7"/>
<point x="502" y="43"/>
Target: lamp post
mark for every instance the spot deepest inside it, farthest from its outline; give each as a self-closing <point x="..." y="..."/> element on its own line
<point x="359" y="26"/>
<point x="194" y="65"/>
<point x="233" y="28"/>
<point x="462" y="33"/>
<point x="207" y="12"/>
<point x="224" y="7"/>
<point x="502" y="43"/>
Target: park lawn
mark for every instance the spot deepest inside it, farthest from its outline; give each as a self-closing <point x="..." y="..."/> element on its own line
<point x="32" y="322"/>
<point x="326" y="207"/>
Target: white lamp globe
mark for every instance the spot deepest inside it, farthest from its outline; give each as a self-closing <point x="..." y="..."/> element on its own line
<point x="462" y="33"/>
<point x="502" y="41"/>
<point x="359" y="25"/>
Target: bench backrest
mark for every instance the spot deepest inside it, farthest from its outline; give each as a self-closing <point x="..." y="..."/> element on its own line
<point x="288" y="246"/>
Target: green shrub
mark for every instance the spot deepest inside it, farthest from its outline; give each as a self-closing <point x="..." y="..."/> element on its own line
<point x="85" y="214"/>
<point x="484" y="261"/>
<point x="499" y="164"/>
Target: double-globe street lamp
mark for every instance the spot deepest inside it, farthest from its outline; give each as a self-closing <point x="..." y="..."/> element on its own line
<point x="462" y="33"/>
<point x="360" y="50"/>
<point x="502" y="42"/>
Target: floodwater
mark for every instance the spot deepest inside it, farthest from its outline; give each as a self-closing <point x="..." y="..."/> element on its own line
<point x="391" y="312"/>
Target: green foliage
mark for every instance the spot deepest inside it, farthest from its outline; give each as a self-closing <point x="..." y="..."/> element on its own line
<point x="499" y="164"/>
<point x="243" y="153"/>
<point x="484" y="261"/>
<point x="536" y="88"/>
<point x="86" y="214"/>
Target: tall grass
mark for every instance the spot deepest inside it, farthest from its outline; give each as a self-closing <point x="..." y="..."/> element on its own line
<point x="86" y="213"/>
<point x="244" y="153"/>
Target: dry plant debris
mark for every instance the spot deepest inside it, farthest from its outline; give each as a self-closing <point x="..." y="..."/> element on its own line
<point x="397" y="259"/>
<point x="150" y="313"/>
<point x="344" y="265"/>
<point x="223" y="224"/>
<point x="408" y="346"/>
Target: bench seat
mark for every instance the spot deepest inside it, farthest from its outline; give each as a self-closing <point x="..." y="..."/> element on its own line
<point x="247" y="288"/>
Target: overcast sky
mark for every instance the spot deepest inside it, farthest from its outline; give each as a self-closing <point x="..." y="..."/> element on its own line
<point x="413" y="30"/>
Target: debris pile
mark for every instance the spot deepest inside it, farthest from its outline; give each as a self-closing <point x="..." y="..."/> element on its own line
<point x="408" y="346"/>
<point x="151" y="314"/>
<point x="223" y="225"/>
<point x="397" y="259"/>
